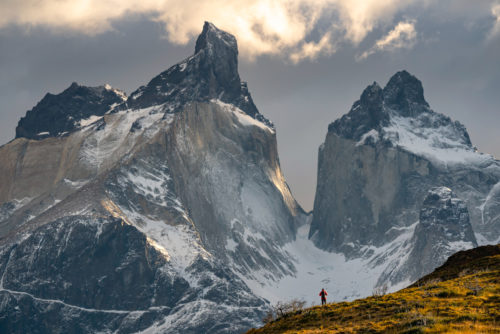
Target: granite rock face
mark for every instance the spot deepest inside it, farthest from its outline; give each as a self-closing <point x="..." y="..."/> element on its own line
<point x="362" y="192"/>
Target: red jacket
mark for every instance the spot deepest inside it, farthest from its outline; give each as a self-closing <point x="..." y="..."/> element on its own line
<point x="323" y="293"/>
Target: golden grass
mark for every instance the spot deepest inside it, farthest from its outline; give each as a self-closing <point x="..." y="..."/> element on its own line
<point x="467" y="303"/>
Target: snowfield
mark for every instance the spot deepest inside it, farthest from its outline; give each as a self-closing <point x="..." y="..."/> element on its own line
<point x="439" y="144"/>
<point x="343" y="279"/>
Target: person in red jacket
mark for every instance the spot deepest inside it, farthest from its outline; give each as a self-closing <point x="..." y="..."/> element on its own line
<point x="323" y="295"/>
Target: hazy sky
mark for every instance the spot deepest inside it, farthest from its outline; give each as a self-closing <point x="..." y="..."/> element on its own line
<point x="306" y="62"/>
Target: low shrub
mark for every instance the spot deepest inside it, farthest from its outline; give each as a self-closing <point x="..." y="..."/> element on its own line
<point x="380" y="291"/>
<point x="284" y="309"/>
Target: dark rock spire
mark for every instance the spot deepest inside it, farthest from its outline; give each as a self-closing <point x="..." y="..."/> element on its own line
<point x="211" y="73"/>
<point x="405" y="93"/>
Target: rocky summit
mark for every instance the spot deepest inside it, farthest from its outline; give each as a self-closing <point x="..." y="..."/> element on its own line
<point x="57" y="115"/>
<point x="211" y="73"/>
<point x="403" y="97"/>
<point x="167" y="211"/>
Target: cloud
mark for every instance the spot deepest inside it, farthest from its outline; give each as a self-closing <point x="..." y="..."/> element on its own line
<point x="296" y="29"/>
<point x="495" y="11"/>
<point x="403" y="36"/>
<point x="311" y="50"/>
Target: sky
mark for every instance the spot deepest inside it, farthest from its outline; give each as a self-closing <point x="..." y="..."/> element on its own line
<point x="305" y="62"/>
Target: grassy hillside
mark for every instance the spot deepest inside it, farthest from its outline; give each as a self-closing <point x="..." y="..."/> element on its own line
<point x="462" y="296"/>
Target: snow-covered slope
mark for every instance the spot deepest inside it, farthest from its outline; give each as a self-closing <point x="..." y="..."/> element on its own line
<point x="431" y="136"/>
<point x="343" y="278"/>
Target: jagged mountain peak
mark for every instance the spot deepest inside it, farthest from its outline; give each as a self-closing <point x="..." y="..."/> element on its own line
<point x="398" y="115"/>
<point x="402" y="96"/>
<point x="58" y="114"/>
<point x="211" y="37"/>
<point x="366" y="114"/>
<point x="210" y="73"/>
<point x="372" y="94"/>
<point x="404" y="93"/>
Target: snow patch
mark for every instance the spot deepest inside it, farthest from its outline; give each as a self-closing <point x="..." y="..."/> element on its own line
<point x="75" y="184"/>
<point x="179" y="244"/>
<point x="137" y="95"/>
<point x="101" y="148"/>
<point x="231" y="245"/>
<point x="372" y="134"/>
<point x="455" y="246"/>
<point x="482" y="240"/>
<point x="442" y="145"/>
<point x="91" y="120"/>
<point x="493" y="196"/>
<point x="243" y="118"/>
<point x="118" y="92"/>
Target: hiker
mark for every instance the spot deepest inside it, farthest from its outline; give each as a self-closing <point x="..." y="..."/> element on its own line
<point x="323" y="295"/>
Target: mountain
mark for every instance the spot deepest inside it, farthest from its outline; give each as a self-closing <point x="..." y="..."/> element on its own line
<point x="460" y="296"/>
<point x="167" y="211"/>
<point x="147" y="213"/>
<point x="380" y="169"/>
